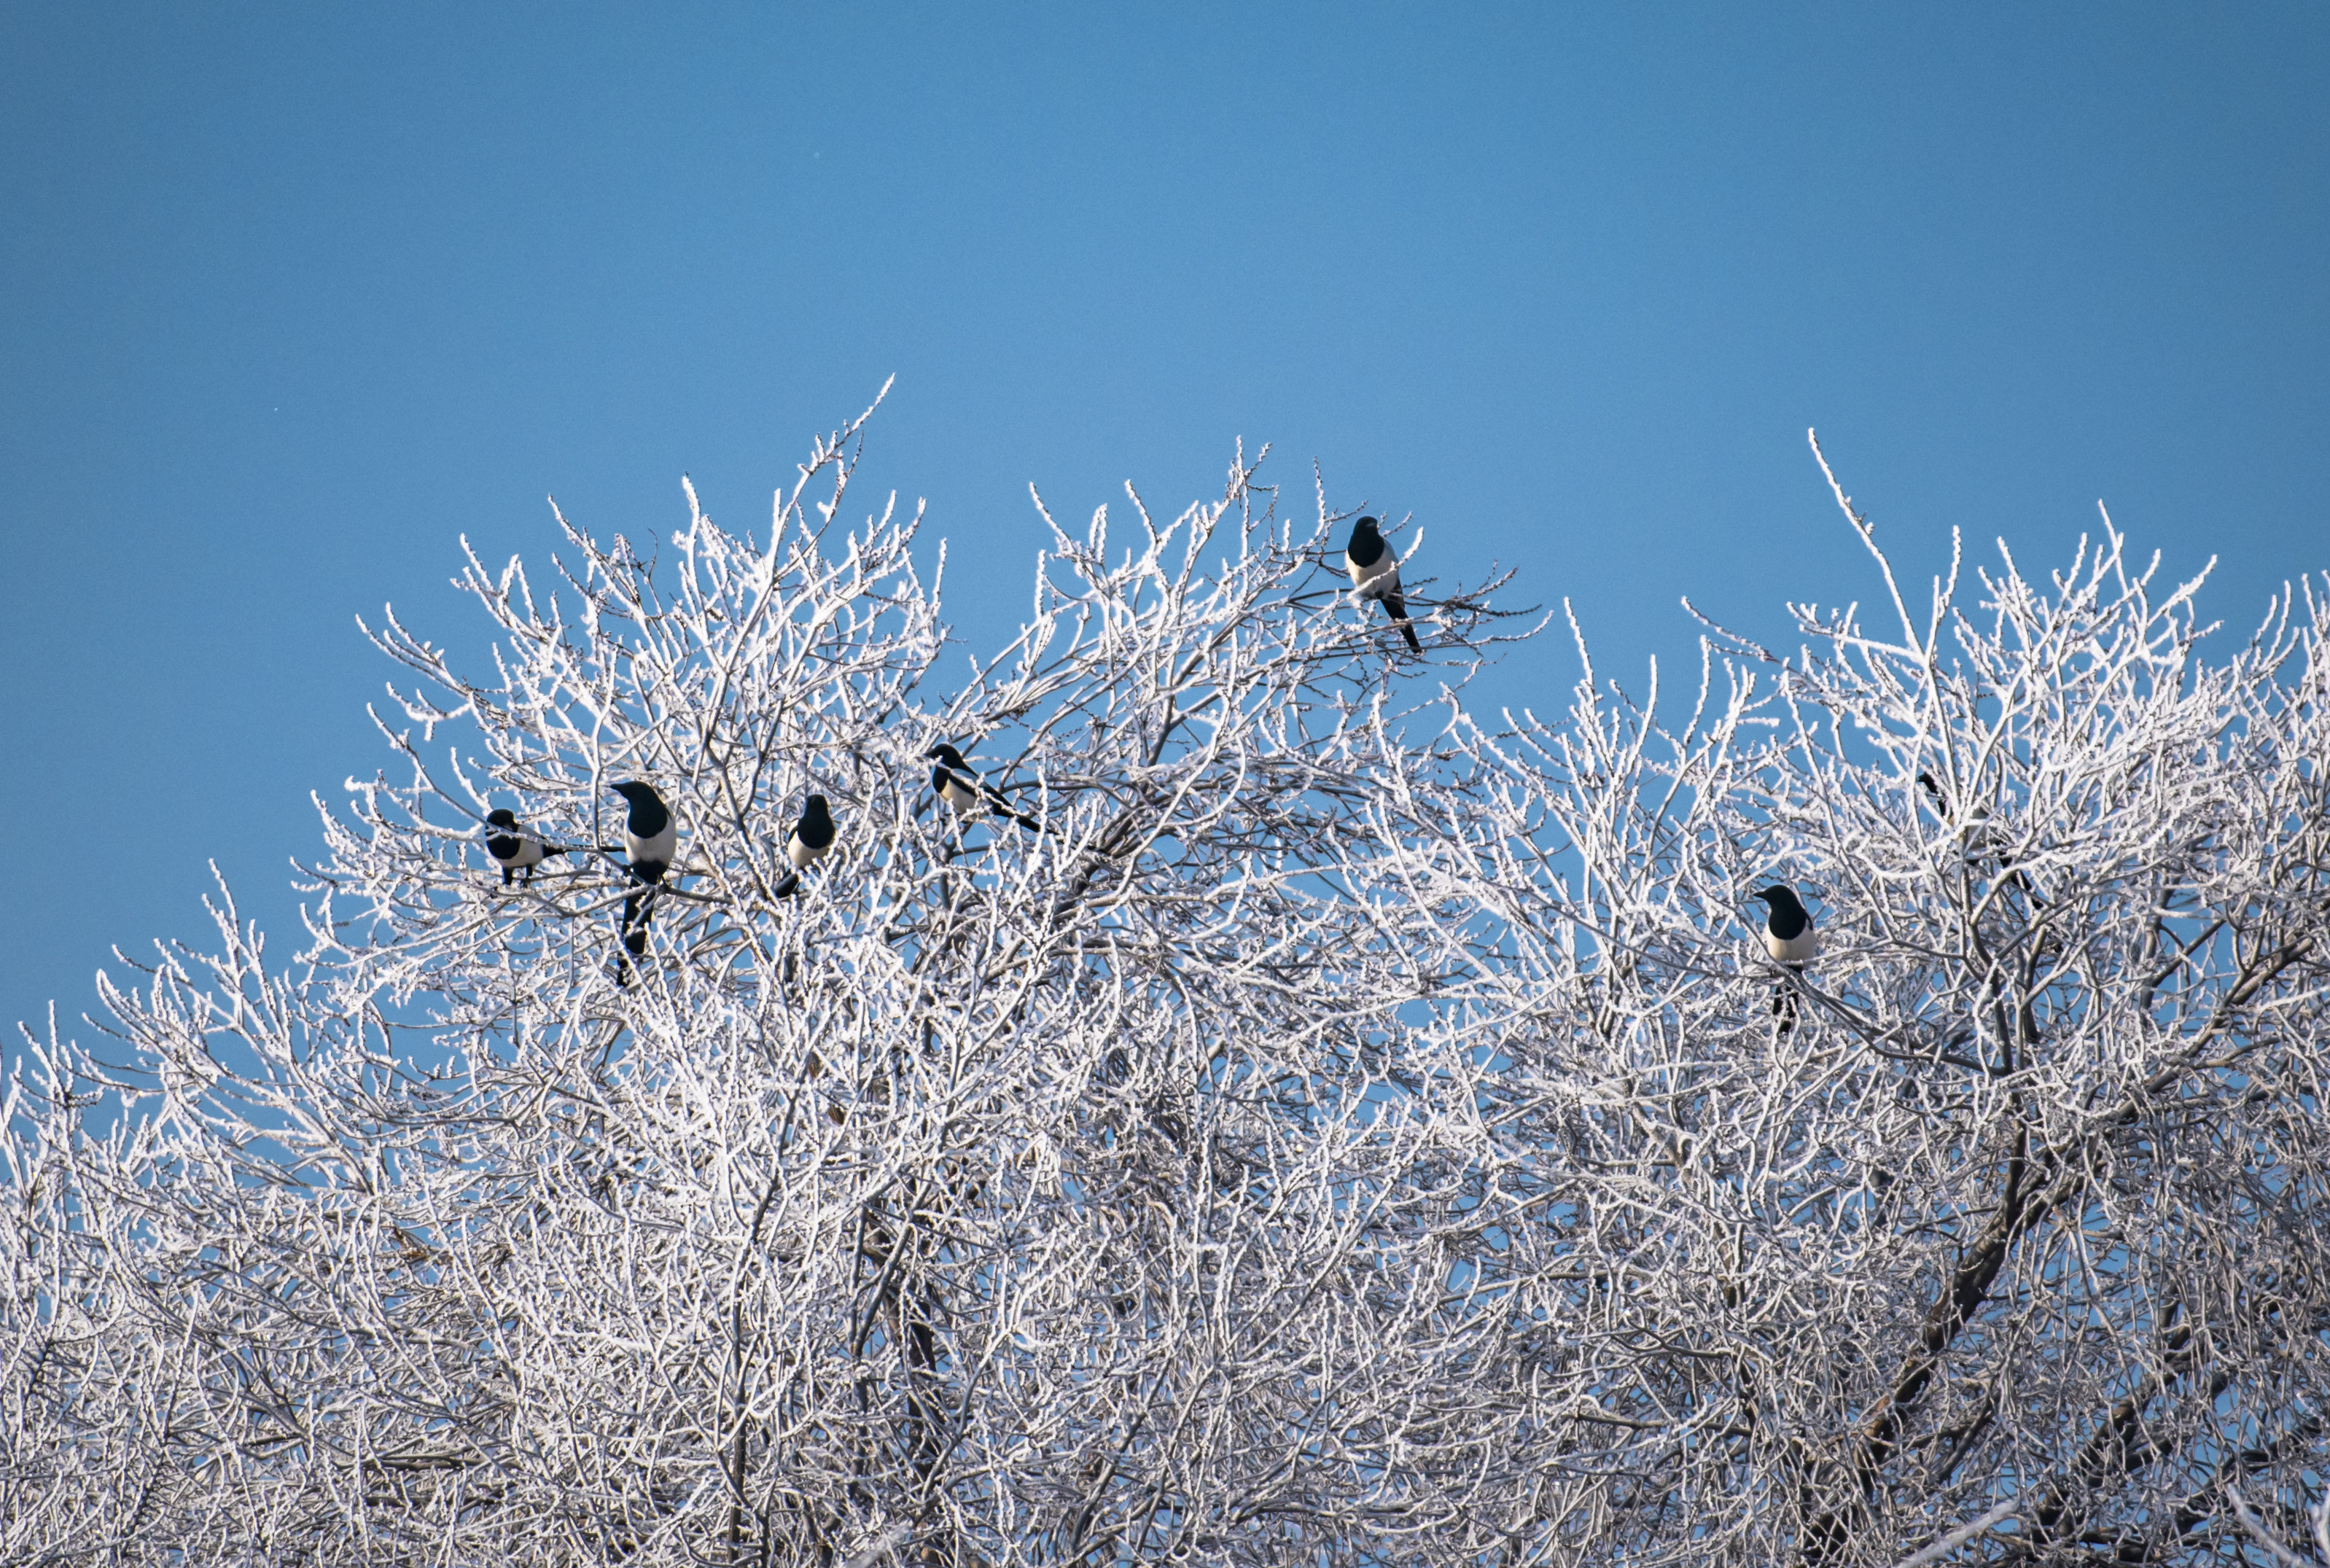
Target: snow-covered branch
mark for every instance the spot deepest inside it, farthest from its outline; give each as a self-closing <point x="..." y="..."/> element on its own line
<point x="1336" y="1127"/>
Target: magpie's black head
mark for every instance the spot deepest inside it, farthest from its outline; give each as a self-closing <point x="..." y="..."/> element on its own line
<point x="813" y="809"/>
<point x="1367" y="546"/>
<point x="502" y="816"/>
<point x="1780" y="895"/>
<point x="648" y="816"/>
<point x="942" y="752"/>
<point x="1932" y="789"/>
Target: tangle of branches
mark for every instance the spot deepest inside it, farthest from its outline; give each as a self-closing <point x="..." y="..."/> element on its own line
<point x="1345" y="1129"/>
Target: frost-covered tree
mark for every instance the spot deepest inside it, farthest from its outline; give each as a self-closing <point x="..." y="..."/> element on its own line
<point x="1343" y="1128"/>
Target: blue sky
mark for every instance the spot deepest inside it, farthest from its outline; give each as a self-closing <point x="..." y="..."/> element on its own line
<point x="291" y="297"/>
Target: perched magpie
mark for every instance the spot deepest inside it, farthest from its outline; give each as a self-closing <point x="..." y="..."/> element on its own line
<point x="1375" y="574"/>
<point x="811" y="842"/>
<point x="1788" y="937"/>
<point x="953" y="783"/>
<point x="513" y="847"/>
<point x="1982" y="842"/>
<point x="1942" y="802"/>
<point x="650" y="838"/>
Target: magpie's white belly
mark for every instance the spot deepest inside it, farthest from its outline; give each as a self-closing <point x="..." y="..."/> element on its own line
<point x="528" y="853"/>
<point x="1376" y="582"/>
<point x="659" y="849"/>
<point x="959" y="795"/>
<point x="1795" y="949"/>
<point x="803" y="855"/>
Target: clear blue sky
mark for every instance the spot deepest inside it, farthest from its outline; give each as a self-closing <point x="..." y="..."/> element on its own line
<point x="293" y="297"/>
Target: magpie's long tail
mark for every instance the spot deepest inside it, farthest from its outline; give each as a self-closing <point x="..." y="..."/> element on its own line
<point x="1397" y="606"/>
<point x="1784" y="1000"/>
<point x="639" y="908"/>
<point x="1002" y="808"/>
<point x="788" y="887"/>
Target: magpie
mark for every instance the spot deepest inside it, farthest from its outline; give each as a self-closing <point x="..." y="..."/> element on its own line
<point x="1375" y="574"/>
<point x="1976" y="828"/>
<point x="1789" y="938"/>
<point x="650" y="838"/>
<point x="811" y="842"/>
<point x="953" y="783"/>
<point x="1981" y="840"/>
<point x="513" y="848"/>
<point x="1942" y="802"/>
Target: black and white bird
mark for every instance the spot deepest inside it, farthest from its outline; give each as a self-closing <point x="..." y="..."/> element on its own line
<point x="1982" y="838"/>
<point x="811" y="842"/>
<point x="1375" y="574"/>
<point x="650" y="839"/>
<point x="953" y="783"/>
<point x="1789" y="938"/>
<point x="1977" y="821"/>
<point x="515" y="849"/>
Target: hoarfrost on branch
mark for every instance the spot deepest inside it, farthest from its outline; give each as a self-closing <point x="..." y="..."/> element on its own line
<point x="1351" y="1130"/>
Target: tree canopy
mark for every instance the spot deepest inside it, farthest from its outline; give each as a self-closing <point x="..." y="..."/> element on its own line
<point x="1345" y="1128"/>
